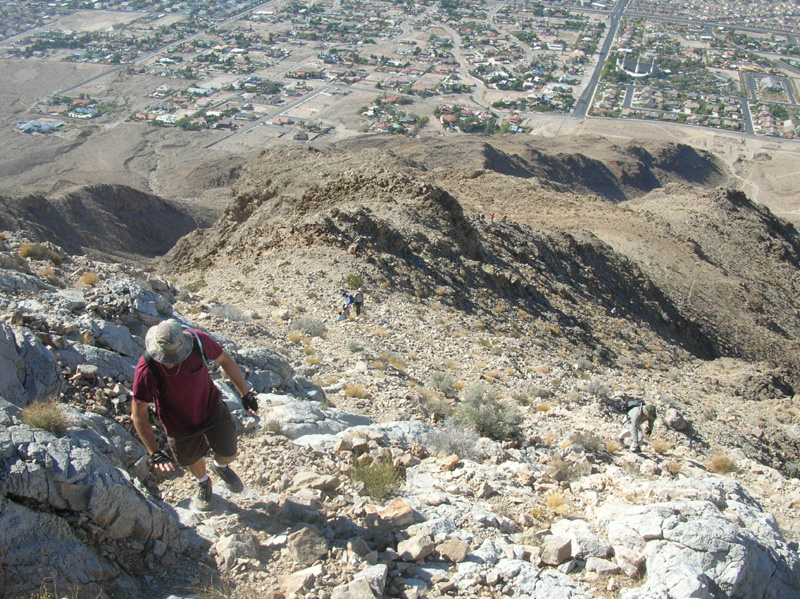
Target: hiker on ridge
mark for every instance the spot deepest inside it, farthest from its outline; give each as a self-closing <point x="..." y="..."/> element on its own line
<point x="637" y="412"/>
<point x="172" y="374"/>
<point x="358" y="300"/>
<point x="347" y="301"/>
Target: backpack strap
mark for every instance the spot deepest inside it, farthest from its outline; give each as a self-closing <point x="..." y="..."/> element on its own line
<point x="197" y="347"/>
<point x="157" y="374"/>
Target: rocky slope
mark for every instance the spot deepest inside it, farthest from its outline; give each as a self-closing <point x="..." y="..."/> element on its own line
<point x="102" y="220"/>
<point x="571" y="302"/>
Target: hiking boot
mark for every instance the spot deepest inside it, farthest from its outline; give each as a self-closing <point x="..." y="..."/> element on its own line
<point x="202" y="501"/>
<point x="229" y="477"/>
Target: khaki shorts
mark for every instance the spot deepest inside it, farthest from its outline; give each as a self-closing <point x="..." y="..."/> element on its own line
<point x="217" y="433"/>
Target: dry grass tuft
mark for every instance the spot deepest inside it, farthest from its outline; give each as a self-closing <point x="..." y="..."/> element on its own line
<point x="673" y="466"/>
<point x="661" y="445"/>
<point x="613" y="446"/>
<point x="45" y="415"/>
<point x="355" y="390"/>
<point x="543" y="407"/>
<point x="719" y="463"/>
<point x="90" y="278"/>
<point x="37" y="251"/>
<point x="295" y="336"/>
<point x="557" y="501"/>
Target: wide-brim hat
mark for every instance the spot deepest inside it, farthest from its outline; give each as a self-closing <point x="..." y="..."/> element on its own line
<point x="168" y="343"/>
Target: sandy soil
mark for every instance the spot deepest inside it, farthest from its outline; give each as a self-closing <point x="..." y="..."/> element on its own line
<point x="95" y="20"/>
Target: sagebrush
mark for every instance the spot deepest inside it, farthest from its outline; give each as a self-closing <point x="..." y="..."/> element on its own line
<point x="315" y="328"/>
<point x="484" y="411"/>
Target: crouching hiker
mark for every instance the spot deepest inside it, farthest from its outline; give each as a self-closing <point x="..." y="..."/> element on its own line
<point x="637" y="412"/>
<point x="173" y="376"/>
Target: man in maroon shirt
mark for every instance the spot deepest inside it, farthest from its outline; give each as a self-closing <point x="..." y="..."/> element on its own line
<point x="172" y="375"/>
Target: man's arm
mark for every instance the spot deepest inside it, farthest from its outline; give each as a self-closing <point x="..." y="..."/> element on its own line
<point x="141" y="422"/>
<point x="234" y="373"/>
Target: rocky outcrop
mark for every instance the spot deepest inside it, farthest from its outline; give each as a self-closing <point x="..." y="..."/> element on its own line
<point x="103" y="219"/>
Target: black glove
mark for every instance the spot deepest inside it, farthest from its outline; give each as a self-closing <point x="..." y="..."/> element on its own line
<point x="249" y="401"/>
<point x="159" y="457"/>
<point x="649" y="428"/>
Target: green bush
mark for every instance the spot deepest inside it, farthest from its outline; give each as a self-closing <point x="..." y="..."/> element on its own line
<point x="354" y="346"/>
<point x="315" y="328"/>
<point x="196" y="286"/>
<point x="443" y="382"/>
<point x="45" y="415"/>
<point x="483" y="411"/>
<point x="599" y="389"/>
<point x="228" y="312"/>
<point x="589" y="441"/>
<point x="353" y="281"/>
<point x="380" y="478"/>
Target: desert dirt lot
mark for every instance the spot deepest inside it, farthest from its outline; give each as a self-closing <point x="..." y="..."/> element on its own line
<point x="95" y="20"/>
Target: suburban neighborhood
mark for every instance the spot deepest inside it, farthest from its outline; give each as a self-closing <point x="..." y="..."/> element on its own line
<point x="414" y="68"/>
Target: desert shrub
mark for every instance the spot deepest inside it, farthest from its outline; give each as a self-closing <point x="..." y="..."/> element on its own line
<point x="613" y="446"/>
<point x="720" y="463"/>
<point x="353" y="281"/>
<point x="540" y="392"/>
<point x="483" y="411"/>
<point x="196" y="286"/>
<point x="45" y="415"/>
<point x="315" y="328"/>
<point x="313" y="360"/>
<point x="294" y="336"/>
<point x="273" y="426"/>
<point x="434" y="404"/>
<point x="598" y="388"/>
<point x="661" y="445"/>
<point x="543" y="407"/>
<point x="203" y="264"/>
<point x="584" y="363"/>
<point x="453" y="438"/>
<point x="673" y="467"/>
<point x="380" y="477"/>
<point x="37" y="251"/>
<point x="356" y="390"/>
<point x="228" y="312"/>
<point x="90" y="279"/>
<point x="354" y="346"/>
<point x="589" y="441"/>
<point x="308" y="350"/>
<point x="443" y="382"/>
<point x="395" y="359"/>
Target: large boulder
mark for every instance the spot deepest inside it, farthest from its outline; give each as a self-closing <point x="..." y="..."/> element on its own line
<point x="109" y="364"/>
<point x="722" y="544"/>
<point x="28" y="370"/>
<point x="267" y="369"/>
<point x="111" y="336"/>
<point x="15" y="283"/>
<point x="48" y="483"/>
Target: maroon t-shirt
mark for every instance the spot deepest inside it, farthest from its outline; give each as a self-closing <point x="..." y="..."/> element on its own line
<point x="192" y="397"/>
